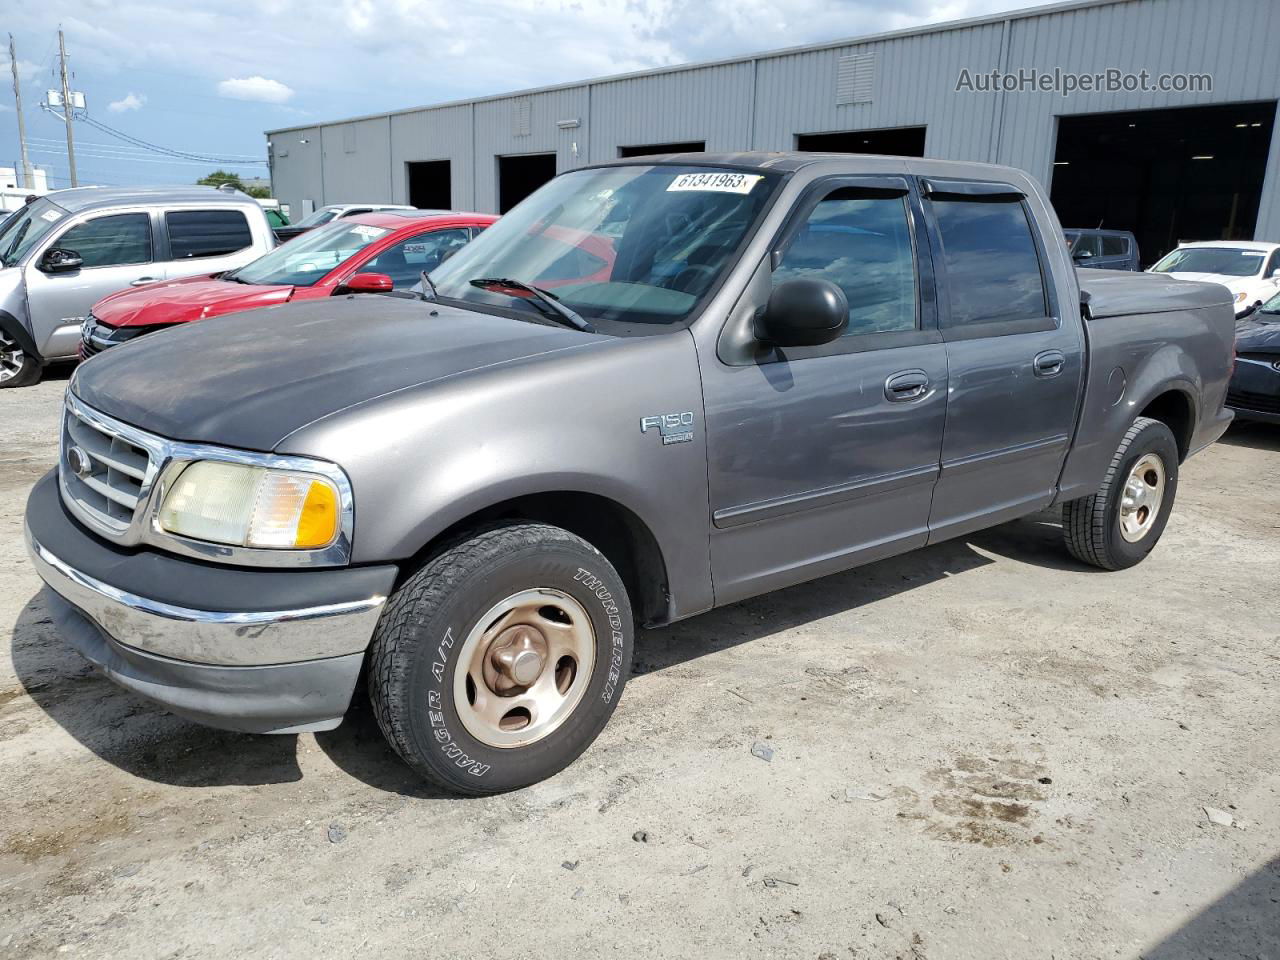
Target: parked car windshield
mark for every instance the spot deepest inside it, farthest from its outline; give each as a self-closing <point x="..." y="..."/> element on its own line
<point x="302" y="262"/>
<point x="1226" y="261"/>
<point x="317" y="217"/>
<point x="626" y="245"/>
<point x="25" y="229"/>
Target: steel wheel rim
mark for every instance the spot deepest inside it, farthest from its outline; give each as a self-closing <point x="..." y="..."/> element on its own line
<point x="524" y="668"/>
<point x="12" y="358"/>
<point x="1143" y="493"/>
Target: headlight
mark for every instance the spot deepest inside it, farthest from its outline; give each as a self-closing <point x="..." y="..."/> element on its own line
<point x="248" y="506"/>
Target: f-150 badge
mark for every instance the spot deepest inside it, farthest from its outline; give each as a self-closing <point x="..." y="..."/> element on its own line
<point x="674" y="427"/>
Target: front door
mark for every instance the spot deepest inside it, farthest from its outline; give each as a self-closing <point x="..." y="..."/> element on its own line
<point x="824" y="457"/>
<point x="1015" y="361"/>
<point x="116" y="251"/>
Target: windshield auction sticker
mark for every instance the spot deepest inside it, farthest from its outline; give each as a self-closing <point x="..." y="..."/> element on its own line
<point x="716" y="181"/>
<point x="368" y="232"/>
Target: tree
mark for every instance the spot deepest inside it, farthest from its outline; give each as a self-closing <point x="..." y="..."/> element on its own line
<point x="219" y="177"/>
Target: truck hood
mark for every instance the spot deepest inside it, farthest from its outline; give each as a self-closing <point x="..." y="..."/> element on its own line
<point x="243" y="382"/>
<point x="181" y="301"/>
<point x="1260" y="333"/>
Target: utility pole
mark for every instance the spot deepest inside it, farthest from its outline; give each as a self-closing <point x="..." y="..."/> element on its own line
<point x="66" y="110"/>
<point x="22" y="129"/>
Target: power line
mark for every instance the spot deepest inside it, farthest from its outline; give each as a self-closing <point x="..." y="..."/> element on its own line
<point x="156" y="148"/>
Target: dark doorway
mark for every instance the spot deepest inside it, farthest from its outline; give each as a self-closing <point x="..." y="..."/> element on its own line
<point x="899" y="142"/>
<point x="646" y="149"/>
<point x="430" y="185"/>
<point x="520" y="176"/>
<point x="1189" y="173"/>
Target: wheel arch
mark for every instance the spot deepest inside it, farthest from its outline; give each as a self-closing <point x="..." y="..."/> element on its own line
<point x="614" y="529"/>
<point x="1174" y="405"/>
<point x="14" y="327"/>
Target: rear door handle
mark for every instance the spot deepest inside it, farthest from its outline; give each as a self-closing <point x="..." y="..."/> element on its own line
<point x="143" y="281"/>
<point x="906" y="386"/>
<point x="1049" y="363"/>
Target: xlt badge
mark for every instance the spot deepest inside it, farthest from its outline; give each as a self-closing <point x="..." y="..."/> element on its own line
<point x="674" y="427"/>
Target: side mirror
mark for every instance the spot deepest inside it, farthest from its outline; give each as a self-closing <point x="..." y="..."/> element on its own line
<point x="805" y="312"/>
<point x="1082" y="255"/>
<point x="1275" y="274"/>
<point x="367" y="283"/>
<point x="58" y="260"/>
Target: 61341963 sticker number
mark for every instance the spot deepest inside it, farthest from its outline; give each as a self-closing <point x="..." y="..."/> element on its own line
<point x="716" y="181"/>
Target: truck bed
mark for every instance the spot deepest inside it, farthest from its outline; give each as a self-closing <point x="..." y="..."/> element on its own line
<point x="1123" y="293"/>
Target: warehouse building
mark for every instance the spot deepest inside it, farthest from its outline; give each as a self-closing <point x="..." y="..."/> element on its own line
<point x="1174" y="143"/>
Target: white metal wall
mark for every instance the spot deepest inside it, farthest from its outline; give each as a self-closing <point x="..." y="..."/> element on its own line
<point x="763" y="102"/>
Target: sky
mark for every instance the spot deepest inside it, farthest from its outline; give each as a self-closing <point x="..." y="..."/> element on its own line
<point x="207" y="81"/>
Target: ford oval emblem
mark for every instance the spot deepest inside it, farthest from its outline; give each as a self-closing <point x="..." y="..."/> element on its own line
<point x="79" y="462"/>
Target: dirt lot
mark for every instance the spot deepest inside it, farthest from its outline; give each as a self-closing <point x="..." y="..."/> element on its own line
<point x="981" y="750"/>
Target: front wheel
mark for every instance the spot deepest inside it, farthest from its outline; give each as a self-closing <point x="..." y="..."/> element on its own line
<point x="1119" y="525"/>
<point x="496" y="664"/>
<point x="17" y="367"/>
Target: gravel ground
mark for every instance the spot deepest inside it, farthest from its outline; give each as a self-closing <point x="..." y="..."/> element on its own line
<point x="981" y="749"/>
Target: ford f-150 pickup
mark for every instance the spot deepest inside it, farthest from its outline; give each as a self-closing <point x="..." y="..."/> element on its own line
<point x="750" y="371"/>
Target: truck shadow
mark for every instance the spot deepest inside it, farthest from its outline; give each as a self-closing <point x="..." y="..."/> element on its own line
<point x="149" y="743"/>
<point x="1254" y="435"/>
<point x="1243" y="923"/>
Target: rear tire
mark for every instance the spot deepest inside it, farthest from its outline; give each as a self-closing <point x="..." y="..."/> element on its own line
<point x="1119" y="525"/>
<point x="500" y="661"/>
<point x="17" y="367"/>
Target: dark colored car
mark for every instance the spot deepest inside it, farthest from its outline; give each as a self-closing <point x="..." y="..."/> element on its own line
<point x="1103" y="249"/>
<point x="1254" y="393"/>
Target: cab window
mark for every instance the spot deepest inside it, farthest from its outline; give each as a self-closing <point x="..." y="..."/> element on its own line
<point x="112" y="241"/>
<point x="862" y="244"/>
<point x="992" y="264"/>
<point x="206" y="233"/>
<point x="405" y="261"/>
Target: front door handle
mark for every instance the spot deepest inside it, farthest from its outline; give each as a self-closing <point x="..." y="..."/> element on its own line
<point x="1049" y="363"/>
<point x="906" y="386"/>
<point x="143" y="281"/>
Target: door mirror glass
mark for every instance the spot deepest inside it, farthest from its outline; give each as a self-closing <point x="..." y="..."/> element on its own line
<point x="367" y="283"/>
<point x="804" y="312"/>
<point x="60" y="260"/>
<point x="1082" y="255"/>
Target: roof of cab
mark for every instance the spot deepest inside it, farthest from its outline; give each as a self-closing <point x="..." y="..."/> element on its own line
<point x="92" y="198"/>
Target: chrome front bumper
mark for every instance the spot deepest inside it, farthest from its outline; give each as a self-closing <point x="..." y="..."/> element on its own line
<point x="254" y="638"/>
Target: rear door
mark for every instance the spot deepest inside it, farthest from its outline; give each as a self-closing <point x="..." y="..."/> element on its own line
<point x="1015" y="363"/>
<point x="824" y="457"/>
<point x="199" y="242"/>
<point x="117" y="251"/>
<point x="1115" y="252"/>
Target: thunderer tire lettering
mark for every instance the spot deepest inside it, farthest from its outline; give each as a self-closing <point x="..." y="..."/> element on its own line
<point x="597" y="587"/>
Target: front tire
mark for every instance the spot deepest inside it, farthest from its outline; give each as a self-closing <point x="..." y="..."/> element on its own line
<point x="1119" y="525"/>
<point x="17" y="367"/>
<point x="500" y="661"/>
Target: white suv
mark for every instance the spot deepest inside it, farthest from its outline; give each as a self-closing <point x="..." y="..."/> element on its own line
<point x="67" y="250"/>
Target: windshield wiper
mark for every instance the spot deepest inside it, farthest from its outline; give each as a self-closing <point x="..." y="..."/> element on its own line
<point x="562" y="313"/>
<point x="428" y="285"/>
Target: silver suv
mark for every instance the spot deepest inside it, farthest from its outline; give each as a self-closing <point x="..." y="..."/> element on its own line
<point x="62" y="253"/>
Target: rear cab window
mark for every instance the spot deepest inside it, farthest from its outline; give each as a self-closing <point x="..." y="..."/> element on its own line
<point x="994" y="280"/>
<point x="194" y="234"/>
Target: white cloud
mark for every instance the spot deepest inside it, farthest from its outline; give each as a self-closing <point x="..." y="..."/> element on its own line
<point x="257" y="88"/>
<point x="131" y="102"/>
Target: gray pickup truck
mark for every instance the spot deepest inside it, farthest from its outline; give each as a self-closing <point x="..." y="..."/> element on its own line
<point x="655" y="387"/>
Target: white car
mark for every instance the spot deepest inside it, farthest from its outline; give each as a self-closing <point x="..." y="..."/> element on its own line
<point x="333" y="211"/>
<point x="1249" y="269"/>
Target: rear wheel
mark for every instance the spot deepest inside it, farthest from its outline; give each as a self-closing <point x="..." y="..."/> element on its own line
<point x="501" y="660"/>
<point x="1121" y="523"/>
<point x="17" y="367"/>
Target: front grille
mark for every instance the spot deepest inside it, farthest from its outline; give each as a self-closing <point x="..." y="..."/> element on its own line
<point x="105" y="471"/>
<point x="96" y="336"/>
<point x="1247" y="400"/>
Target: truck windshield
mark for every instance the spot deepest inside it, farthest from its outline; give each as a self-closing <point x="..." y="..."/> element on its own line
<point x="1224" y="261"/>
<point x="633" y="249"/>
<point x="24" y="229"/>
<point x="317" y="217"/>
<point x="304" y="261"/>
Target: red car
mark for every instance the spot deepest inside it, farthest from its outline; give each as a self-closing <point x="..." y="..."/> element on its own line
<point x="369" y="253"/>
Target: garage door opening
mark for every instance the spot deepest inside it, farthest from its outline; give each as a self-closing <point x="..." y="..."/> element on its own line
<point x="898" y="142"/>
<point x="646" y="149"/>
<point x="1188" y="173"/>
<point x="430" y="185"/>
<point x="520" y="176"/>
